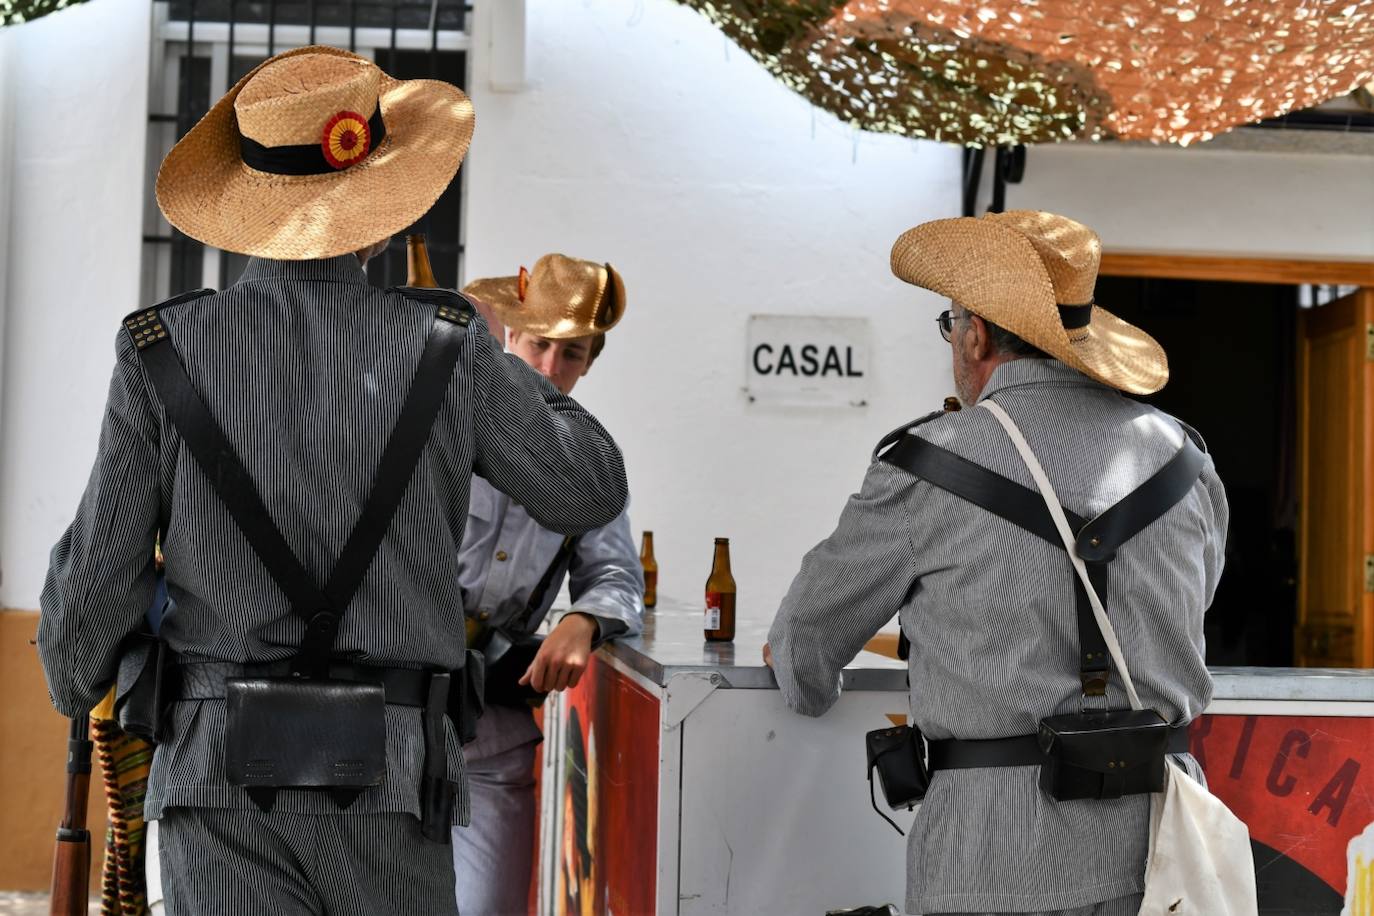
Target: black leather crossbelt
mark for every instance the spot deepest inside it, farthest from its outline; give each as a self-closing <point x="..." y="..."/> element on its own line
<point x="1020" y="751"/>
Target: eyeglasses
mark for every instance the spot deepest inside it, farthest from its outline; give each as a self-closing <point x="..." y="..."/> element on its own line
<point x="946" y="321"/>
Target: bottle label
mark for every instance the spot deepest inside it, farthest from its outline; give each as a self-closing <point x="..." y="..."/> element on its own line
<point x="713" y="602"/>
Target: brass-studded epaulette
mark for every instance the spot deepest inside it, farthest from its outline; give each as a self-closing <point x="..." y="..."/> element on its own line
<point x="449" y="305"/>
<point x="902" y="430"/>
<point x="145" y="326"/>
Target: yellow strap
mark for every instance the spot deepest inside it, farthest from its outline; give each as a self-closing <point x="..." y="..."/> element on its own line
<point x="105" y="709"/>
<point x="476" y="630"/>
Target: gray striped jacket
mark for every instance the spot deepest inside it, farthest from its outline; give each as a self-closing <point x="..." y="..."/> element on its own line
<point x="305" y="367"/>
<point x="989" y="609"/>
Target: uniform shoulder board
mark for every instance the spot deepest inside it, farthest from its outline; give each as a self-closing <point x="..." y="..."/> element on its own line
<point x="450" y="305"/>
<point x="901" y="431"/>
<point x="145" y="327"/>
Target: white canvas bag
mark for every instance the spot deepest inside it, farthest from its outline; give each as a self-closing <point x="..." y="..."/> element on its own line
<point x="1199" y="861"/>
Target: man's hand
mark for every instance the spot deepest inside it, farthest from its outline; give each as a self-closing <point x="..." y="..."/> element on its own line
<point x="767" y="655"/>
<point x="563" y="656"/>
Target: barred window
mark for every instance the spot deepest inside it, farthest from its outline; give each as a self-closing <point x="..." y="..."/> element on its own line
<point x="200" y="48"/>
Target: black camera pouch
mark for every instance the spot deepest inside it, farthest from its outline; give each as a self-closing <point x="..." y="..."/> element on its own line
<point x="1103" y="754"/>
<point x="298" y="733"/>
<point x="898" y="756"/>
<point x="140" y="692"/>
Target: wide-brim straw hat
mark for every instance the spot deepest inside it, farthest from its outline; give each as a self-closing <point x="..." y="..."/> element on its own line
<point x="315" y="153"/>
<point x="1033" y="274"/>
<point x="561" y="298"/>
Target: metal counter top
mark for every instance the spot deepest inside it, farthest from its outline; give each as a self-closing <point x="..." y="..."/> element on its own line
<point x="672" y="643"/>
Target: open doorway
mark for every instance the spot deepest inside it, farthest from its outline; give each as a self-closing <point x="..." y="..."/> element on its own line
<point x="1279" y="379"/>
<point x="1232" y="375"/>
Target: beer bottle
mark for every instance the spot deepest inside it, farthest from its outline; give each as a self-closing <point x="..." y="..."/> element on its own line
<point x="418" y="272"/>
<point x="646" y="559"/>
<point x="720" y="596"/>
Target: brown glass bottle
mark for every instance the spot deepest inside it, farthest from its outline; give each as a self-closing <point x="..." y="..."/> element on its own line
<point x="720" y="596"/>
<point x="646" y="559"/>
<point x="418" y="272"/>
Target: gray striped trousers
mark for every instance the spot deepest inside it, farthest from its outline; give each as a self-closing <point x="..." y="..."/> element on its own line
<point x="225" y="862"/>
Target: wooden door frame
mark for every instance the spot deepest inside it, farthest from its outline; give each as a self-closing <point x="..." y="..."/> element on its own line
<point x="1237" y="268"/>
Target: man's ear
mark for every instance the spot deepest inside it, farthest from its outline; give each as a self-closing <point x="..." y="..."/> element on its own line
<point x="982" y="340"/>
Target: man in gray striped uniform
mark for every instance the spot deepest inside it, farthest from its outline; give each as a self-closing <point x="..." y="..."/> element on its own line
<point x="988" y="607"/>
<point x="511" y="570"/>
<point x="309" y="164"/>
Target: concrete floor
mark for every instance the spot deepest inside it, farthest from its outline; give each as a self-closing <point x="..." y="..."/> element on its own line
<point x="16" y="904"/>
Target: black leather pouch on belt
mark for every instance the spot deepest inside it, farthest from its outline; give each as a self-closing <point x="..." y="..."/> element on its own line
<point x="298" y="733"/>
<point x="508" y="658"/>
<point x="141" y="695"/>
<point x="899" y="757"/>
<point x="1103" y="754"/>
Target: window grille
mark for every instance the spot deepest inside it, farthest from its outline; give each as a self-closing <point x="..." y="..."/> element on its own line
<point x="200" y="48"/>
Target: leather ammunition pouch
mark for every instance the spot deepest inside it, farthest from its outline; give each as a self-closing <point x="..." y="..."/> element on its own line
<point x="1103" y="755"/>
<point x="141" y="694"/>
<point x="507" y="658"/>
<point x="305" y="724"/>
<point x="297" y="733"/>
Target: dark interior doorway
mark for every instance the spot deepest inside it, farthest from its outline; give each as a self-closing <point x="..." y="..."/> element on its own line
<point x="1232" y="350"/>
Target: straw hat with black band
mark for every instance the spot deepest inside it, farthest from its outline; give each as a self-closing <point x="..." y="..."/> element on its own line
<point x="561" y="298"/>
<point x="315" y="153"/>
<point x="1033" y="273"/>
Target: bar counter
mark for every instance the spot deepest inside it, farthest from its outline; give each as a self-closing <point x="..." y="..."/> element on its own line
<point x="674" y="780"/>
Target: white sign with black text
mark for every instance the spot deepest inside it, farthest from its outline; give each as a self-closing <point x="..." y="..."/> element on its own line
<point x="802" y="361"/>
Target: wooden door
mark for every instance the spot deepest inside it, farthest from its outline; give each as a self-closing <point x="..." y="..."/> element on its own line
<point x="1336" y="483"/>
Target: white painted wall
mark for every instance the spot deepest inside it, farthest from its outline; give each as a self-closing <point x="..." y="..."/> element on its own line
<point x="1201" y="200"/>
<point x="78" y="93"/>
<point x="645" y="138"/>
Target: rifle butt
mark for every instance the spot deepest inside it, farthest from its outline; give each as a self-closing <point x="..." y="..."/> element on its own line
<point x="71" y="873"/>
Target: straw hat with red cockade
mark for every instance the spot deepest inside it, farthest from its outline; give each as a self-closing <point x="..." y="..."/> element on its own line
<point x="1033" y="274"/>
<point x="315" y="153"/>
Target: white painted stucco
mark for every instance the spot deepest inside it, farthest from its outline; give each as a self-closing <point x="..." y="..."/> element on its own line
<point x="78" y="94"/>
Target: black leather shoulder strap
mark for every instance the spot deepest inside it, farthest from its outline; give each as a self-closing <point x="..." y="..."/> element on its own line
<point x="403" y="449"/>
<point x="1098" y="540"/>
<point x="450" y="305"/>
<point x="217" y="459"/>
<point x="986" y="489"/>
<point x="231" y="481"/>
<point x="902" y="430"/>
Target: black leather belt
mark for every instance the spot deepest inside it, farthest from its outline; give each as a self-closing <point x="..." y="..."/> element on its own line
<point x="1020" y="751"/>
<point x="205" y="680"/>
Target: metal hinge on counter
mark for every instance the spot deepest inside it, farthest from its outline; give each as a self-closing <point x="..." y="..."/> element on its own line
<point x="1369" y="572"/>
<point x="1369" y="341"/>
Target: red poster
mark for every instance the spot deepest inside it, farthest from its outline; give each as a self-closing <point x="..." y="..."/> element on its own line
<point x="1305" y="787"/>
<point x="608" y="850"/>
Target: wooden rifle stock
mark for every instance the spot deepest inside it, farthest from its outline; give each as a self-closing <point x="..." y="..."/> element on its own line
<point x="71" y="868"/>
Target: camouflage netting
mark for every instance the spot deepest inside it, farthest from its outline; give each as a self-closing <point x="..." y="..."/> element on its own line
<point x="1035" y="71"/>
<point x="13" y="12"/>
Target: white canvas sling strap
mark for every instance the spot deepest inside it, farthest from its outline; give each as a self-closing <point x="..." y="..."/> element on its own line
<point x="1042" y="482"/>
